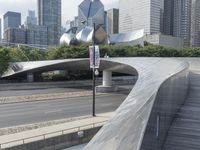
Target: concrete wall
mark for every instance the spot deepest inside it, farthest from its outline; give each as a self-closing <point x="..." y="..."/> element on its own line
<point x="60" y="142"/>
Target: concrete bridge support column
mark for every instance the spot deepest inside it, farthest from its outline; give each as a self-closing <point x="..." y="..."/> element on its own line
<point x="107" y="78"/>
<point x="107" y="83"/>
<point x="30" y="77"/>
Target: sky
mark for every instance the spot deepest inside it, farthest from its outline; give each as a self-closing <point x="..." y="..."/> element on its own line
<point x="69" y="7"/>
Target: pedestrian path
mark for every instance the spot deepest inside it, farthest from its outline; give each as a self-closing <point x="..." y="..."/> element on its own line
<point x="52" y="131"/>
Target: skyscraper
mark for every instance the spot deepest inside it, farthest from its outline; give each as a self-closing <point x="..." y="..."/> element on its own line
<point x="139" y="14"/>
<point x="36" y="34"/>
<point x="91" y="11"/>
<point x="182" y="14"/>
<point x="12" y="20"/>
<point x="31" y="19"/>
<point x="49" y="14"/>
<point x="15" y="35"/>
<point x="177" y="19"/>
<point x="113" y="21"/>
<point x="168" y="17"/>
<point x="0" y="30"/>
<point x="195" y="24"/>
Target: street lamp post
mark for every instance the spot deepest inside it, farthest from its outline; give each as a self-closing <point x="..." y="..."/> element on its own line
<point x="93" y="73"/>
<point x="93" y="69"/>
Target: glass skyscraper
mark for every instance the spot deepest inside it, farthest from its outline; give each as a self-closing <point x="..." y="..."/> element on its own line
<point x="113" y="21"/>
<point x="177" y="19"/>
<point x="31" y="19"/>
<point x="91" y="12"/>
<point x="0" y="29"/>
<point x="139" y="14"/>
<point x="49" y="15"/>
<point x="195" y="24"/>
<point x="11" y="20"/>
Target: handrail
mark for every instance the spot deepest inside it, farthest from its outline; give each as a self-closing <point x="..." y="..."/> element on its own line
<point x="44" y="136"/>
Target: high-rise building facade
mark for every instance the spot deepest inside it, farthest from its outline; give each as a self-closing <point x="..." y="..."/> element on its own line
<point x="49" y="14"/>
<point x="195" y="24"/>
<point x="12" y="20"/>
<point x="31" y="18"/>
<point x="89" y="12"/>
<point x="15" y="35"/>
<point x="177" y="19"/>
<point x="36" y="35"/>
<point x="113" y="21"/>
<point x="168" y="18"/>
<point x="139" y="14"/>
<point x="182" y="14"/>
<point x="0" y="30"/>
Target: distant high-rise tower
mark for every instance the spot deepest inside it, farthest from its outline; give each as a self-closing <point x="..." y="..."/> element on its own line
<point x="168" y="17"/>
<point x="31" y="19"/>
<point x="182" y="20"/>
<point x="12" y="20"/>
<point x="195" y="24"/>
<point x="139" y="14"/>
<point x="0" y="30"/>
<point x="91" y="11"/>
<point x="113" y="21"/>
<point x="177" y="19"/>
<point x="49" y="14"/>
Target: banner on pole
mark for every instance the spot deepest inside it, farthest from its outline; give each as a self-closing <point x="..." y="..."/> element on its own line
<point x="97" y="57"/>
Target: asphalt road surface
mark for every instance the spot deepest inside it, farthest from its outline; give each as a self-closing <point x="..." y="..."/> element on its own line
<point x="33" y="112"/>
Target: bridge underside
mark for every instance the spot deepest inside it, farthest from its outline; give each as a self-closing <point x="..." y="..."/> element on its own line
<point x="155" y="114"/>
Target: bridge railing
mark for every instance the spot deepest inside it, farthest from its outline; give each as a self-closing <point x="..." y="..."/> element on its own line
<point x="50" y="135"/>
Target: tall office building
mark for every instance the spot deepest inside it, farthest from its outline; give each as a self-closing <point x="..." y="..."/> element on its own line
<point x="182" y="14"/>
<point x="0" y="30"/>
<point x="195" y="24"/>
<point x="168" y="17"/>
<point x="177" y="21"/>
<point x="31" y="19"/>
<point x="49" y="14"/>
<point x="139" y="14"/>
<point x="15" y="35"/>
<point x="91" y="11"/>
<point x="113" y="21"/>
<point x="161" y="16"/>
<point x="36" y="35"/>
<point x="12" y="20"/>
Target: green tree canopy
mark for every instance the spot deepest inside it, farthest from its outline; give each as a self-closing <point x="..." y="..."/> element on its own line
<point x="4" y="59"/>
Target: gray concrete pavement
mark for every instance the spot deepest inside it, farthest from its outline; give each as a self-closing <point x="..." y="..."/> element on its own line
<point x="79" y="147"/>
<point x="34" y="112"/>
<point x="40" y="134"/>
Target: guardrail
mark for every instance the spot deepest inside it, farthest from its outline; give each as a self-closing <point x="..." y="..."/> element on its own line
<point x="50" y="135"/>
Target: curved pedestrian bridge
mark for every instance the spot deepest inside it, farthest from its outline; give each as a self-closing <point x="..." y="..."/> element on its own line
<point x="160" y="113"/>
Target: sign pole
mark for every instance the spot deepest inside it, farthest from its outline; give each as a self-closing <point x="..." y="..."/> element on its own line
<point x="94" y="84"/>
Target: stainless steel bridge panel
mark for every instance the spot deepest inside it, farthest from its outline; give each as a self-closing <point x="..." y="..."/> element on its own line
<point x="159" y="80"/>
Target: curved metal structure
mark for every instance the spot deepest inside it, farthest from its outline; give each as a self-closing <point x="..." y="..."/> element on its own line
<point x="130" y="37"/>
<point x="85" y="35"/>
<point x="69" y="37"/>
<point x="143" y="119"/>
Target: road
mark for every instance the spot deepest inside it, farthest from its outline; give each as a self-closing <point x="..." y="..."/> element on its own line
<point x="25" y="92"/>
<point x="33" y="112"/>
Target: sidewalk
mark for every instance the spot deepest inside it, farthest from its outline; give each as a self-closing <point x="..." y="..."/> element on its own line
<point x="52" y="131"/>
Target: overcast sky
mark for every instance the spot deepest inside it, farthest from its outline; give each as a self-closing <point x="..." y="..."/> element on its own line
<point x="69" y="7"/>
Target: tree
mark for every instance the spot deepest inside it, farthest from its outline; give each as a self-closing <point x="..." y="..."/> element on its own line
<point x="4" y="60"/>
